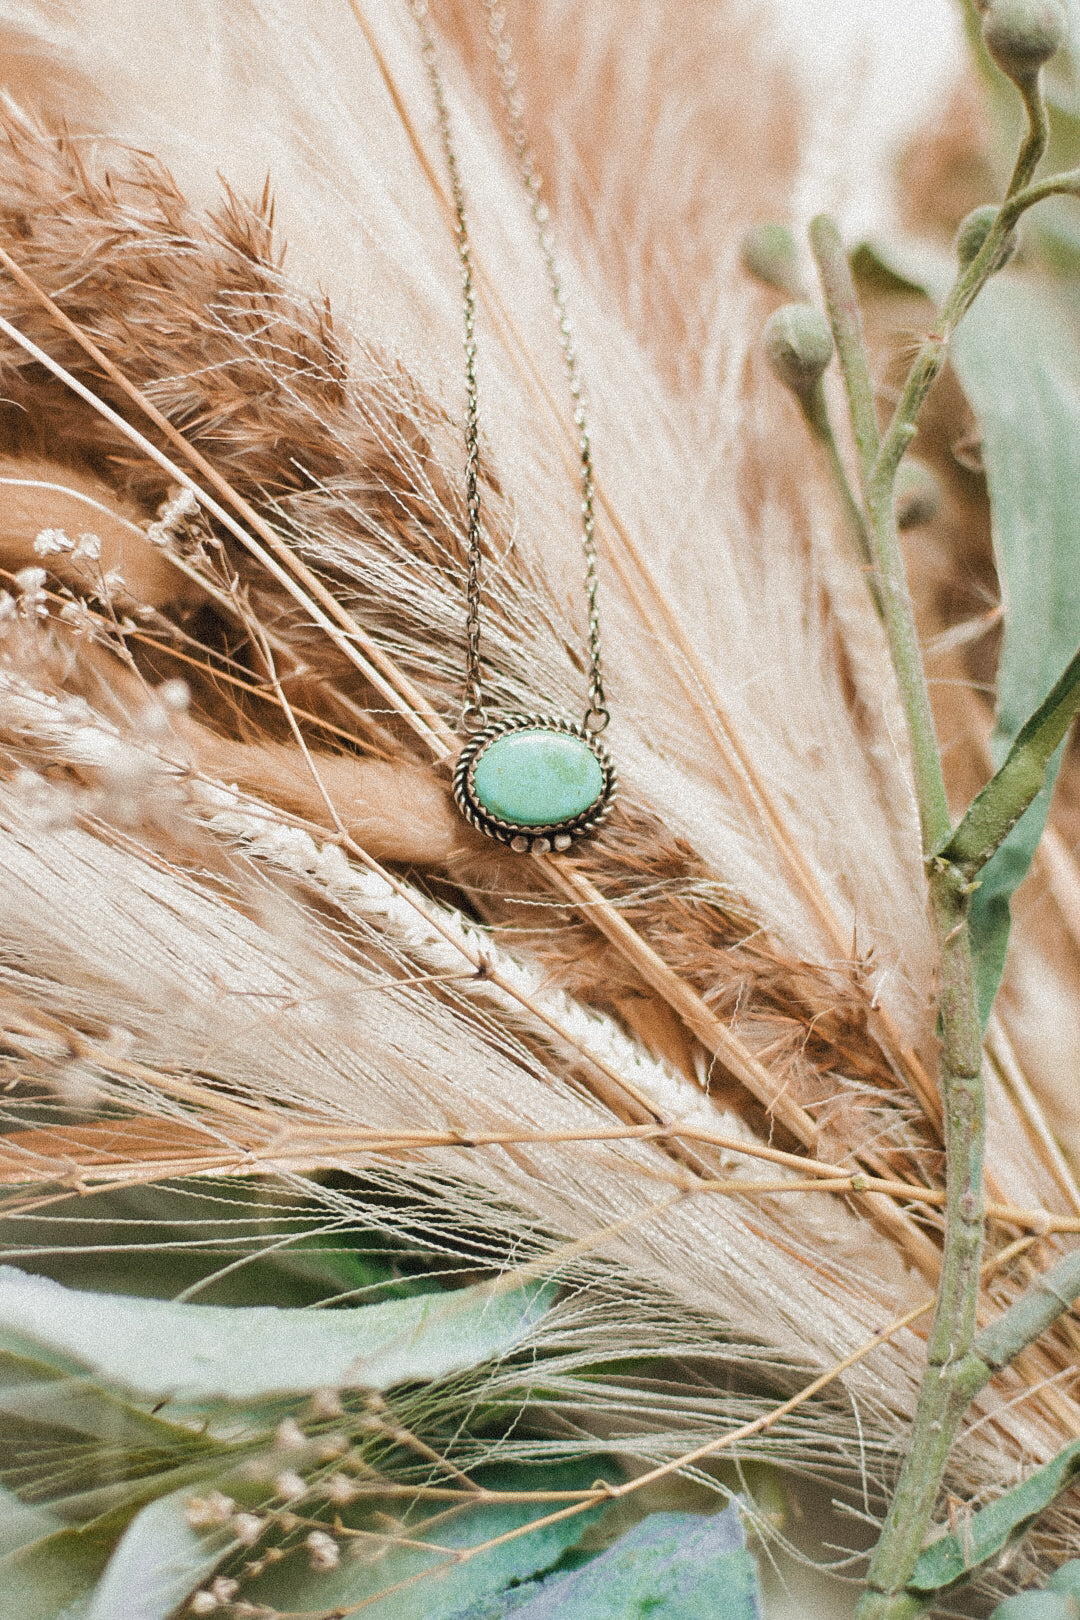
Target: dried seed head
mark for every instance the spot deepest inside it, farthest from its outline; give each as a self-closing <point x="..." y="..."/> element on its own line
<point x="324" y="1552"/>
<point x="972" y="233"/>
<point x="52" y="543"/>
<point x="247" y="1528"/>
<point x="917" y="494"/>
<point x="330" y="1447"/>
<point x="1021" y="35"/>
<point x="289" y="1436"/>
<point x="205" y="1512"/>
<point x="339" y="1488"/>
<point x="289" y="1486"/>
<point x="769" y="253"/>
<point x="203" y="1603"/>
<point x="88" y="546"/>
<point x="325" y="1403"/>
<point x="799" y="345"/>
<point x="175" y="696"/>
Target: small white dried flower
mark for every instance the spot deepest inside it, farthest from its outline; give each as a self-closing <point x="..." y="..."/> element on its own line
<point x="331" y="1446"/>
<point x="33" y="602"/>
<point x="224" y="1588"/>
<point x="325" y="1403"/>
<point x="203" y="1603"/>
<point x="340" y="1488"/>
<point x="204" y="1512"/>
<point x="79" y="617"/>
<point x="289" y="1486"/>
<point x="88" y="546"/>
<point x="52" y="543"/>
<point x="7" y="607"/>
<point x="172" y="515"/>
<point x="247" y="1528"/>
<point x="182" y="503"/>
<point x="113" y="584"/>
<point x="289" y="1436"/>
<point x="45" y="804"/>
<point x="324" y="1552"/>
<point x="174" y="696"/>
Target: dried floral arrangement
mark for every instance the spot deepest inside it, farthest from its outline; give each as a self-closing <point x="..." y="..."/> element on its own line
<point x="397" y="1224"/>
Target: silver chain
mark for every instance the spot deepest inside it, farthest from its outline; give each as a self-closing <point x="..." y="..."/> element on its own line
<point x="473" y="717"/>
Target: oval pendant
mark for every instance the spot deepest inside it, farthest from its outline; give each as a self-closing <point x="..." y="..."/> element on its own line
<point x="534" y="781"/>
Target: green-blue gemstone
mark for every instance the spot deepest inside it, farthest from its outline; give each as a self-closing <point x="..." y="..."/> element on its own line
<point x="537" y="777"/>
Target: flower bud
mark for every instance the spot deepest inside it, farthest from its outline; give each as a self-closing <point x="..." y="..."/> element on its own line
<point x="972" y="233"/>
<point x="1021" y="35"/>
<point x="769" y="253"/>
<point x="916" y="494"/>
<point x="798" y="345"/>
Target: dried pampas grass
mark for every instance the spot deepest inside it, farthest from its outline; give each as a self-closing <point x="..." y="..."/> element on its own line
<point x="245" y="934"/>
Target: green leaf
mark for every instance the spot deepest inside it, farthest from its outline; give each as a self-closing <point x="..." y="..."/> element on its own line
<point x="397" y="1582"/>
<point x="160" y="1350"/>
<point x="1017" y="358"/>
<point x="998" y="807"/>
<point x="157" y="1562"/>
<point x="985" y="1534"/>
<point x="1037" y="1606"/>
<point x="1066" y="1578"/>
<point x="671" y="1566"/>
<point x="903" y="264"/>
<point x="84" y="1408"/>
<point x="230" y="1241"/>
<point x="23" y="1522"/>
<point x="1017" y="355"/>
<point x="39" y="1581"/>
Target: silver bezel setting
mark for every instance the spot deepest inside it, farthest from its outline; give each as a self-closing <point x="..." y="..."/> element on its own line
<point x="557" y="835"/>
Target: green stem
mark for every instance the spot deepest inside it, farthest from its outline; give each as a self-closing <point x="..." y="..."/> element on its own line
<point x="816" y="415"/>
<point x="1038" y="1308"/>
<point x="931" y="356"/>
<point x="953" y="1556"/>
<point x="1066" y="184"/>
<point x="944" y="1392"/>
<point x="904" y="647"/>
<point x="845" y="318"/>
<point x="1035" y="140"/>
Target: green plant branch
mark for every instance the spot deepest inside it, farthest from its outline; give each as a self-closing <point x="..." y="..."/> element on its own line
<point x="956" y="1556"/>
<point x="816" y="415"/>
<point x="1065" y="184"/>
<point x="1049" y="1296"/>
<point x="965" y="289"/>
<point x="994" y="812"/>
<point x="973" y="277"/>
<point x="845" y="318"/>
<point x="941" y="1401"/>
<point x="951" y="1370"/>
<point x="885" y="555"/>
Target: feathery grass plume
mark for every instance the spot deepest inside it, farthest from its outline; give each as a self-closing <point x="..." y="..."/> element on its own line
<point x="245" y="936"/>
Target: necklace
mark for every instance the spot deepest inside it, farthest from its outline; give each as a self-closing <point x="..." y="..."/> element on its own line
<point x="533" y="781"/>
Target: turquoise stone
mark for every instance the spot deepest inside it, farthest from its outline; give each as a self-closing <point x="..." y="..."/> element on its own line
<point x="537" y="778"/>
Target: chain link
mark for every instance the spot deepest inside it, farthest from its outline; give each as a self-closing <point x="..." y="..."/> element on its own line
<point x="473" y="715"/>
